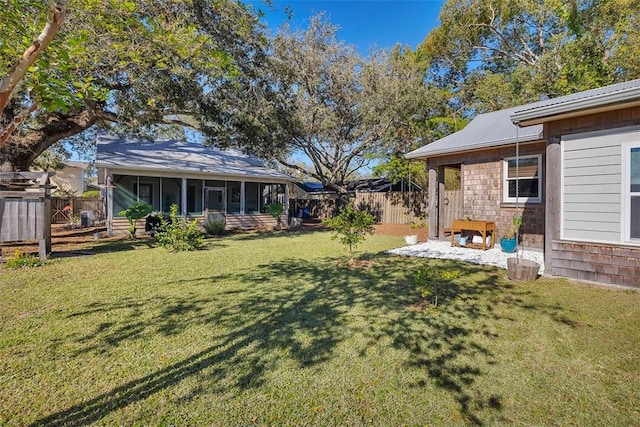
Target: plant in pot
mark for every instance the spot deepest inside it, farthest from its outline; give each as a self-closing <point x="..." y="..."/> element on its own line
<point x="509" y="239"/>
<point x="416" y="224"/>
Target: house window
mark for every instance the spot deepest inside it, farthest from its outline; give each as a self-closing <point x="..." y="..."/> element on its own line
<point x="634" y="194"/>
<point x="522" y="179"/>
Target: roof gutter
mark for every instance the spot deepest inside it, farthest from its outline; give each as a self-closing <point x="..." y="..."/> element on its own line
<point x="622" y="99"/>
<point x="467" y="149"/>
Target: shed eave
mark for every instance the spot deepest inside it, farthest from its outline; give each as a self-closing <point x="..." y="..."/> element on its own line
<point x="578" y="107"/>
<point x="472" y="148"/>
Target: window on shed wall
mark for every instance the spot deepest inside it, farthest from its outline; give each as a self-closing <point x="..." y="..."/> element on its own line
<point x="634" y="193"/>
<point x="522" y="178"/>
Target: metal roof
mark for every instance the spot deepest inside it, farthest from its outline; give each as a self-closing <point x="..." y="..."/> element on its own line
<point x="169" y="155"/>
<point x="613" y="94"/>
<point x="485" y="131"/>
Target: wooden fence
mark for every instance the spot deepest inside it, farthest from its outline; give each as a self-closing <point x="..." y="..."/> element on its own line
<point x="394" y="207"/>
<point x="64" y="210"/>
<point x="387" y="208"/>
<point x="25" y="202"/>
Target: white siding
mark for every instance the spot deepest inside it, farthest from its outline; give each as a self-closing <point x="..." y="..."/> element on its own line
<point x="591" y="187"/>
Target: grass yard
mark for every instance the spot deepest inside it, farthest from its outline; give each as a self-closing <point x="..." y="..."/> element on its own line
<point x="275" y="329"/>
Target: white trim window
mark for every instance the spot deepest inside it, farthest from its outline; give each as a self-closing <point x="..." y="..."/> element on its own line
<point x="522" y="177"/>
<point x="632" y="194"/>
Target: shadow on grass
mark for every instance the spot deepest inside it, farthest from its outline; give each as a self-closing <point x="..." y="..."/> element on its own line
<point x="285" y="233"/>
<point x="301" y="309"/>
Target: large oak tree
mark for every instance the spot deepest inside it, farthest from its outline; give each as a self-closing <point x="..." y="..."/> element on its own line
<point x="138" y="65"/>
<point x="325" y="103"/>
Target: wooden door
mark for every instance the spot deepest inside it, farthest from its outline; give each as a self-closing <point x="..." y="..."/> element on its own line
<point x="451" y="207"/>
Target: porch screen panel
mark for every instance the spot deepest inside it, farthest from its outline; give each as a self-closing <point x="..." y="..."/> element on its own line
<point x="171" y="193"/>
<point x="592" y="188"/>
<point x="271" y="193"/>
<point x="194" y="197"/>
<point x="149" y="191"/>
<point x="124" y="193"/>
<point x="251" y="195"/>
<point x="233" y="197"/>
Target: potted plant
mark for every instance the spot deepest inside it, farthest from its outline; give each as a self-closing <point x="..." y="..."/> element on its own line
<point x="416" y="224"/>
<point x="509" y="238"/>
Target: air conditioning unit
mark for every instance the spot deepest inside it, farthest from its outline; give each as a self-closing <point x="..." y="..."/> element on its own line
<point x="86" y="219"/>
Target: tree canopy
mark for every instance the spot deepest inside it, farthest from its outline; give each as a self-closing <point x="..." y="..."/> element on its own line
<point x="325" y="103"/>
<point x="137" y="65"/>
<point x="500" y="53"/>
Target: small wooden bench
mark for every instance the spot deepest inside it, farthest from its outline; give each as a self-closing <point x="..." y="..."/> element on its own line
<point x="485" y="228"/>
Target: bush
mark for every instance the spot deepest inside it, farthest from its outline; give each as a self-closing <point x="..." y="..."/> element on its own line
<point x="21" y="259"/>
<point x="90" y="194"/>
<point x="214" y="228"/>
<point x="176" y="234"/>
<point x="350" y="227"/>
<point x="275" y="210"/>
<point x="135" y="212"/>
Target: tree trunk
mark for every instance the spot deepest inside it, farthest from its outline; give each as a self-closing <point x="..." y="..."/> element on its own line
<point x="20" y="150"/>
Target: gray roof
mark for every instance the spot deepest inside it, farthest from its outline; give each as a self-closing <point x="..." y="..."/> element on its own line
<point x="76" y="164"/>
<point x="485" y="131"/>
<point x="613" y="94"/>
<point x="168" y="155"/>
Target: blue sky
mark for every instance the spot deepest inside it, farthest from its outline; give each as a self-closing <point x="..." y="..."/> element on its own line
<point x="363" y="23"/>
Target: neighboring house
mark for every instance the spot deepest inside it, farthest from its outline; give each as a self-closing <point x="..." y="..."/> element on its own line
<point x="579" y="172"/>
<point x="205" y="183"/>
<point x="71" y="180"/>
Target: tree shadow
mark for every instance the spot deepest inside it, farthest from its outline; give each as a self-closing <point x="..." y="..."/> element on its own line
<point x="301" y="310"/>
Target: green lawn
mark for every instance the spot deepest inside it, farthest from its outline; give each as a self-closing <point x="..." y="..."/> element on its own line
<point x="275" y="329"/>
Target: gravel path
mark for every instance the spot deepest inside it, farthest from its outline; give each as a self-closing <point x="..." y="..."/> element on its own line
<point x="443" y="250"/>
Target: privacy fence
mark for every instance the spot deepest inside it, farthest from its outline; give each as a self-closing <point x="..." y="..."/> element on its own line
<point x="66" y="210"/>
<point x="388" y="208"/>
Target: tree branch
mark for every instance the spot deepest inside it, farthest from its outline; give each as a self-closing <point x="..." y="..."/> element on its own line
<point x="17" y="72"/>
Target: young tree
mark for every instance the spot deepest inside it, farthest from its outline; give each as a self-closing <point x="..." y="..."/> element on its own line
<point x="350" y="227"/>
<point x="137" y="65"/>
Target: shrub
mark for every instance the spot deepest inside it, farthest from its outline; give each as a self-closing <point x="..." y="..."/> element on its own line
<point x="176" y="234"/>
<point x="215" y="228"/>
<point x="90" y="194"/>
<point x="135" y="212"/>
<point x="21" y="259"/>
<point x="275" y="210"/>
<point x="350" y="227"/>
<point x="431" y="281"/>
